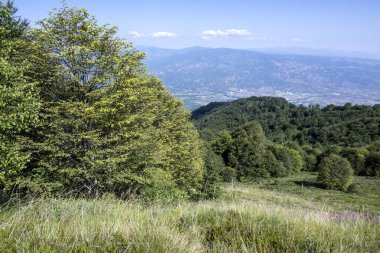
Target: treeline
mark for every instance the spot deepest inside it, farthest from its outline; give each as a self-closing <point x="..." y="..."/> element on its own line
<point x="269" y="137"/>
<point x="80" y="115"/>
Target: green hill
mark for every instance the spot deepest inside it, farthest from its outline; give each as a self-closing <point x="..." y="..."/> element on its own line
<point x="348" y="125"/>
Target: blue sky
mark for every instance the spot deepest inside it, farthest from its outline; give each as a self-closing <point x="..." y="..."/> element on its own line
<point x="336" y="24"/>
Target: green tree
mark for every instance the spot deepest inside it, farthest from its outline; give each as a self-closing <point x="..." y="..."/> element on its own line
<point x="221" y="145"/>
<point x="357" y="158"/>
<point x="106" y="126"/>
<point x="335" y="172"/>
<point x="88" y="56"/>
<point x="144" y="128"/>
<point x="311" y="154"/>
<point x="290" y="158"/>
<point x="272" y="165"/>
<point x="222" y="142"/>
<point x="83" y="59"/>
<point x="19" y="101"/>
<point x="297" y="160"/>
<point x="247" y="151"/>
<point x="212" y="174"/>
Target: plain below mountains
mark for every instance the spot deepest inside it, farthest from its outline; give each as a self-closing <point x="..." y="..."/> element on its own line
<point x="202" y="75"/>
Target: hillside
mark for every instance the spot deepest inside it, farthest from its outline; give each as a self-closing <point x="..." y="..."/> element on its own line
<point x="289" y="214"/>
<point x="346" y="125"/>
<point x="202" y="75"/>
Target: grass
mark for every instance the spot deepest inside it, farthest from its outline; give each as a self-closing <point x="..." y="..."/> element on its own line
<point x="267" y="216"/>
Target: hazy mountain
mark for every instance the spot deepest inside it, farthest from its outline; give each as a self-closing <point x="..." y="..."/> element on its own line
<point x="201" y="75"/>
<point x="318" y="52"/>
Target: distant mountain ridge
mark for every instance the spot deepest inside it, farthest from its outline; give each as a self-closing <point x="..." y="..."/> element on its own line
<point x="319" y="52"/>
<point x="202" y="75"/>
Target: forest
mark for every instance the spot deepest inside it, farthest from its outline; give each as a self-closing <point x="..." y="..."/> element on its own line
<point x="96" y="155"/>
<point x="269" y="137"/>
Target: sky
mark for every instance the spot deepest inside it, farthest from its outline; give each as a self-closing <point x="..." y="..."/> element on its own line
<point x="335" y="24"/>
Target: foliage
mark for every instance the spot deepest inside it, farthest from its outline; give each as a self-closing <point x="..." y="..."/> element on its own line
<point x="372" y="162"/>
<point x="290" y="158"/>
<point x="144" y="128"/>
<point x="105" y="125"/>
<point x="247" y="150"/>
<point x="228" y="174"/>
<point x="349" y="126"/>
<point x="212" y="177"/>
<point x="88" y="56"/>
<point x="19" y="102"/>
<point x="299" y="137"/>
<point x="357" y="158"/>
<point x="222" y="143"/>
<point x="335" y="172"/>
<point x="311" y="155"/>
<point x="274" y="166"/>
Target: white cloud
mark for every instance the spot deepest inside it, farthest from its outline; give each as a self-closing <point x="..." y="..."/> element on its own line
<point x="214" y="33"/>
<point x="135" y="34"/>
<point x="238" y="32"/>
<point x="229" y="32"/>
<point x="164" y="35"/>
<point x="300" y="40"/>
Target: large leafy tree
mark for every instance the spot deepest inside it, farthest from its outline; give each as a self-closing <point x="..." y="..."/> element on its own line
<point x="105" y="124"/>
<point x="144" y="130"/>
<point x="89" y="56"/>
<point x="19" y="100"/>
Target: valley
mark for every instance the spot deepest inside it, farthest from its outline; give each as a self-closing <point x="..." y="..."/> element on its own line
<point x="202" y="75"/>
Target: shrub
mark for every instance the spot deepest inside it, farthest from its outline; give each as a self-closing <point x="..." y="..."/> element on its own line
<point x="228" y="174"/>
<point x="335" y="172"/>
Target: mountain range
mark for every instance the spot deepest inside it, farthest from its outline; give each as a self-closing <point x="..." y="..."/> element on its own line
<point x="201" y="75"/>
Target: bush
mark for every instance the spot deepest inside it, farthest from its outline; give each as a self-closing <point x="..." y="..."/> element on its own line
<point x="289" y="158"/>
<point x="335" y="172"/>
<point x="228" y="174"/>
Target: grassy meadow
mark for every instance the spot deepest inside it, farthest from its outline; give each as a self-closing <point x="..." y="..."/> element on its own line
<point x="278" y="215"/>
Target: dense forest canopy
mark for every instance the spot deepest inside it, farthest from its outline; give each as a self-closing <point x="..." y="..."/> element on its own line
<point x="268" y="136"/>
<point x="348" y="125"/>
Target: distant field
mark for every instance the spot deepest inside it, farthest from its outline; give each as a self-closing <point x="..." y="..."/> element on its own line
<point x="278" y="215"/>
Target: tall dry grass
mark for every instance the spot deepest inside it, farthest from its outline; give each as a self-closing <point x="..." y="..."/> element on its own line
<point x="233" y="224"/>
